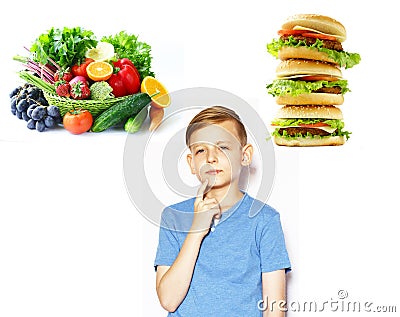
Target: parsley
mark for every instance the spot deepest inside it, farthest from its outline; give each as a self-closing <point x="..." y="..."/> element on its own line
<point x="66" y="46"/>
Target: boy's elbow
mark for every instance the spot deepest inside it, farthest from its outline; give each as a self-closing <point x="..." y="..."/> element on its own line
<point x="166" y="302"/>
<point x="169" y="306"/>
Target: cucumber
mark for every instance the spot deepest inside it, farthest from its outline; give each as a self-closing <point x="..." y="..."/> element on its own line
<point x="121" y="111"/>
<point x="134" y="123"/>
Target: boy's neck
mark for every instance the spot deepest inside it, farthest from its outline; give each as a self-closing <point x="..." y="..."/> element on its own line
<point x="226" y="198"/>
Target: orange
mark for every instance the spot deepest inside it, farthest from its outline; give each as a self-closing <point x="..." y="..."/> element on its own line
<point x="99" y="71"/>
<point x="157" y="91"/>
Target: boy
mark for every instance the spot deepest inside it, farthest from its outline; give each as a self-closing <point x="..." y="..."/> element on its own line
<point x="213" y="258"/>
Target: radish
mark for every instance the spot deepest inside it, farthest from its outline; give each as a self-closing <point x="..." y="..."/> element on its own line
<point x="82" y="79"/>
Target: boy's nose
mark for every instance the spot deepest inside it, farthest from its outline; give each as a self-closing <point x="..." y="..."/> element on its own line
<point x="212" y="155"/>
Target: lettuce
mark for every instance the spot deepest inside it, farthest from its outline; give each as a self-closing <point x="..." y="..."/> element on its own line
<point x="296" y="122"/>
<point x="338" y="124"/>
<point x="344" y="59"/>
<point x="127" y="45"/>
<point x="280" y="87"/>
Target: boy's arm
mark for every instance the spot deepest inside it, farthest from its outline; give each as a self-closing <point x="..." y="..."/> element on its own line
<point x="274" y="293"/>
<point x="172" y="282"/>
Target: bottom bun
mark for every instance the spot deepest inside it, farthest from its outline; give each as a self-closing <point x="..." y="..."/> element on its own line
<point x="311" y="99"/>
<point x="307" y="141"/>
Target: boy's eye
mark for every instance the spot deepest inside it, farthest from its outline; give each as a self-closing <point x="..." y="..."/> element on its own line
<point x="223" y="147"/>
<point x="199" y="151"/>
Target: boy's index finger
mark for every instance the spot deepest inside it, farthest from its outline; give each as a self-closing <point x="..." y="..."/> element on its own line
<point x="201" y="190"/>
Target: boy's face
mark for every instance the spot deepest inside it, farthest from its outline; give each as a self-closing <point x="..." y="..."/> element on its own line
<point x="217" y="155"/>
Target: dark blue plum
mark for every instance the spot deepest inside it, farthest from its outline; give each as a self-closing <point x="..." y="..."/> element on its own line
<point x="40" y="126"/>
<point x="49" y="122"/>
<point x="38" y="113"/>
<point x="18" y="114"/>
<point x="14" y="92"/>
<point x="25" y="116"/>
<point x="31" y="124"/>
<point x="53" y="111"/>
<point x="22" y="105"/>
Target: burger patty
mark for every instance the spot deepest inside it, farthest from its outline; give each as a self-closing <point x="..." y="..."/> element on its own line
<point x="296" y="130"/>
<point x="330" y="90"/>
<point x="332" y="45"/>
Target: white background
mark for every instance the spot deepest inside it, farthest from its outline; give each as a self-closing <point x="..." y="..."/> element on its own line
<point x="71" y="242"/>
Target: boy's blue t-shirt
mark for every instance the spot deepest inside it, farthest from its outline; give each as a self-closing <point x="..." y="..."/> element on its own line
<point x="227" y="276"/>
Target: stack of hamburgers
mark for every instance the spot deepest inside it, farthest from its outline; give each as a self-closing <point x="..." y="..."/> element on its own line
<point x="309" y="85"/>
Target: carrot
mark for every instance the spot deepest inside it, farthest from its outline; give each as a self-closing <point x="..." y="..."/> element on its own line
<point x="156" y="115"/>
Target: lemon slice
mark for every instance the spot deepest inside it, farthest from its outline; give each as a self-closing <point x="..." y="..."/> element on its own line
<point x="102" y="52"/>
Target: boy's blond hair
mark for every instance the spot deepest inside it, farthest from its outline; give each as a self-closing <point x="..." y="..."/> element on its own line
<point x="215" y="115"/>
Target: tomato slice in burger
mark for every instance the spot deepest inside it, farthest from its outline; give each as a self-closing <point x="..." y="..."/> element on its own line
<point x="319" y="77"/>
<point x="290" y="32"/>
<point x="314" y="125"/>
<point x="319" y="36"/>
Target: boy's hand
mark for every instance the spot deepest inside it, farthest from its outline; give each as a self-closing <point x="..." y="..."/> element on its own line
<point x="205" y="210"/>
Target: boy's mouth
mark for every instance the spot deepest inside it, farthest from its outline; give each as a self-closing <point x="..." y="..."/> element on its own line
<point x="213" y="172"/>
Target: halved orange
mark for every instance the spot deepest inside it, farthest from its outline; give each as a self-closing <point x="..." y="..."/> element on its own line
<point x="157" y="91"/>
<point x="99" y="71"/>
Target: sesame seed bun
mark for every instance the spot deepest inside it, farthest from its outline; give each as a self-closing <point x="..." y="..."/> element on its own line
<point x="311" y="99"/>
<point x="302" y="52"/>
<point x="293" y="67"/>
<point x="318" y="23"/>
<point x="321" y="112"/>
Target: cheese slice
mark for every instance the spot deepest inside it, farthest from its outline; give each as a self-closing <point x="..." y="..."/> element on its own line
<point x="298" y="27"/>
<point x="305" y="75"/>
<point x="326" y="128"/>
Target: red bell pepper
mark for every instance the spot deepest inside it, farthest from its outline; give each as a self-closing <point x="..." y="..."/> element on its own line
<point x="126" y="80"/>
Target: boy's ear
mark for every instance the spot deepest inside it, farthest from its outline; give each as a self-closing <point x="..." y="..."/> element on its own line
<point x="247" y="154"/>
<point x="189" y="159"/>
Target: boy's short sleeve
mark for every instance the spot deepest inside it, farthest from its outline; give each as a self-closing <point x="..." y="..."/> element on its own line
<point x="273" y="253"/>
<point x="168" y="244"/>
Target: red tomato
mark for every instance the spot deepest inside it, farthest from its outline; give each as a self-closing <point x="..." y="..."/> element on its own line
<point x="290" y="32"/>
<point x="80" y="70"/>
<point x="314" y="125"/>
<point x="306" y="34"/>
<point x="78" y="121"/>
<point x="319" y="77"/>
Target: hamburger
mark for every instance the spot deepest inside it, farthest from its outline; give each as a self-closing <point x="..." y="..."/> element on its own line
<point x="309" y="126"/>
<point x="307" y="82"/>
<point x="313" y="37"/>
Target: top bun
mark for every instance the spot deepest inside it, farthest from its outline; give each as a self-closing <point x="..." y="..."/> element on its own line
<point x="321" y="112"/>
<point x="318" y="23"/>
<point x="294" y="67"/>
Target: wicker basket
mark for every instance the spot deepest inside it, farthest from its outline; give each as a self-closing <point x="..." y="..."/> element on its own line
<point x="96" y="107"/>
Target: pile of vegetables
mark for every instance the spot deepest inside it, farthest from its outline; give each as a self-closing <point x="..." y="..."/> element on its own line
<point x="80" y="66"/>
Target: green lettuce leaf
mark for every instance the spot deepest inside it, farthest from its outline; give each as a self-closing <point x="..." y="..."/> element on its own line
<point x="280" y="87"/>
<point x="344" y="59"/>
<point x="338" y="124"/>
<point x="139" y="53"/>
<point x="296" y="122"/>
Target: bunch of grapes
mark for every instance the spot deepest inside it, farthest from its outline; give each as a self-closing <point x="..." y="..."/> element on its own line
<point x="29" y="104"/>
